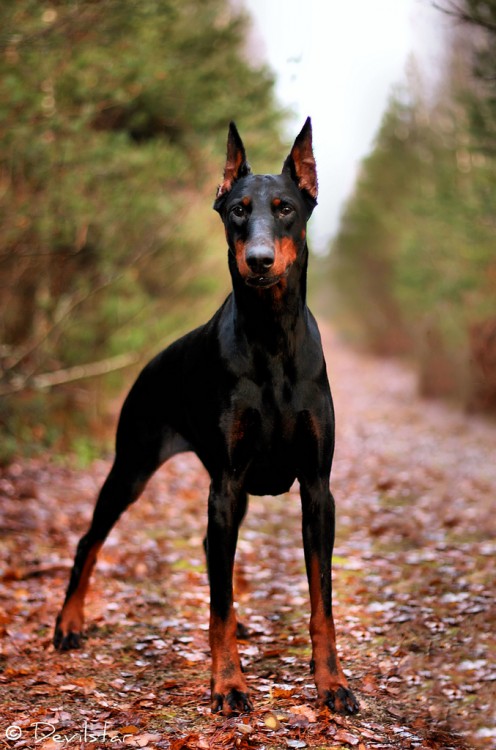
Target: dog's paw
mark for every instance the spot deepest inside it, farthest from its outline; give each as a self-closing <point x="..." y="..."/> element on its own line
<point x="234" y="701"/>
<point x="66" y="638"/>
<point x="341" y="701"/>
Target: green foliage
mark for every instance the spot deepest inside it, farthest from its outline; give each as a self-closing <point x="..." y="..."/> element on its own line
<point x="364" y="252"/>
<point x="414" y="257"/>
<point x="481" y="96"/>
<point x="113" y="122"/>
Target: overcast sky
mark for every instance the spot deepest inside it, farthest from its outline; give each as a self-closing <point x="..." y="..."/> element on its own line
<point x="338" y="61"/>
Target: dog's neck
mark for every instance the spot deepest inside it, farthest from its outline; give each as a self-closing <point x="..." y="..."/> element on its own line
<point x="274" y="317"/>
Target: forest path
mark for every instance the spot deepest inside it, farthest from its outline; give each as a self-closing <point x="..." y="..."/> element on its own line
<point x="414" y="571"/>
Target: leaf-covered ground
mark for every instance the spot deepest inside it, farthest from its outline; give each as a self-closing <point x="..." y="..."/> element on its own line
<point x="414" y="571"/>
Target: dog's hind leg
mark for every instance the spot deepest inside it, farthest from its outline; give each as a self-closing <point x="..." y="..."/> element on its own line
<point x="122" y="486"/>
<point x="142" y="445"/>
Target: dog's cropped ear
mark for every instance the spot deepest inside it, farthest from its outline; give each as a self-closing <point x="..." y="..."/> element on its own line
<point x="301" y="162"/>
<point x="236" y="164"/>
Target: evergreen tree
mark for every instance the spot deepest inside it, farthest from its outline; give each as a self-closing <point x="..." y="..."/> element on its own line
<point x="113" y="122"/>
<point x="415" y="251"/>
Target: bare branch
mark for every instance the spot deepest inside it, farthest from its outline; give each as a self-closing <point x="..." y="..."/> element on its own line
<point x="70" y="374"/>
<point x="456" y="11"/>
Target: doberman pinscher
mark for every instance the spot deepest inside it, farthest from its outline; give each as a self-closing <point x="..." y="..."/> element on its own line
<point x="248" y="393"/>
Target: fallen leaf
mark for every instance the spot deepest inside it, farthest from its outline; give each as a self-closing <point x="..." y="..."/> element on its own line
<point x="305" y="711"/>
<point x="342" y="735"/>
<point x="50" y="745"/>
<point x="369" y="684"/>
<point x="142" y="740"/>
<point x="87" y="683"/>
<point x="277" y="692"/>
<point x="271" y="721"/>
<point x="244" y="728"/>
<point x="189" y="742"/>
<point x="131" y="729"/>
<point x="370" y="735"/>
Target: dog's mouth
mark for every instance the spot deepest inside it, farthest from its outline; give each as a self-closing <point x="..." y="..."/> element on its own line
<point x="262" y="282"/>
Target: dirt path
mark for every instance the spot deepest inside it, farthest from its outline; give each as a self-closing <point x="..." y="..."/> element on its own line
<point x="415" y="485"/>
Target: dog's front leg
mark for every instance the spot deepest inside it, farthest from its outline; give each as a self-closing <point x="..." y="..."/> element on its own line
<point x="318" y="539"/>
<point x="226" y="507"/>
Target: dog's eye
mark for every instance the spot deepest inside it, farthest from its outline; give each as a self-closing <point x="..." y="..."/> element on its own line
<point x="286" y="210"/>
<point x="239" y="211"/>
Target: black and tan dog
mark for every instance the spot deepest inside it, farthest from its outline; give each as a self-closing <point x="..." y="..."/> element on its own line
<point x="248" y="393"/>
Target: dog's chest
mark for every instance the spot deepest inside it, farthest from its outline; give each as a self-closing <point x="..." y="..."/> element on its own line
<point x="263" y="402"/>
<point x="268" y="384"/>
<point x="260" y="431"/>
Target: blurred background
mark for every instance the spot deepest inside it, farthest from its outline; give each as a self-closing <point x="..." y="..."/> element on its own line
<point x="113" y="122"/>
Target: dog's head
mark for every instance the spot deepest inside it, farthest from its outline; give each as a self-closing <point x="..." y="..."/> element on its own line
<point x="265" y="216"/>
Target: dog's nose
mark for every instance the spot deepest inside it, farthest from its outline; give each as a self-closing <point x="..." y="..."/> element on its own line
<point x="260" y="258"/>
